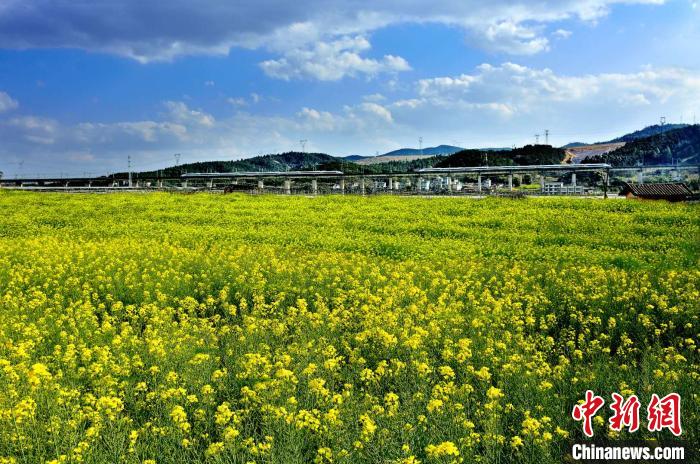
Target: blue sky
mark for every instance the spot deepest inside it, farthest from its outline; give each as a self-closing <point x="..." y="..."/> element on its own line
<point x="83" y="86"/>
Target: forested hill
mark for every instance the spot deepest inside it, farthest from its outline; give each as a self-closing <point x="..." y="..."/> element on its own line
<point x="678" y="146"/>
<point x="648" y="132"/>
<point x="527" y="155"/>
<point x="291" y="161"/>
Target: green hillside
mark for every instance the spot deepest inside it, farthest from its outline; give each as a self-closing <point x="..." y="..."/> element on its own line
<point x="527" y="155"/>
<point x="676" y="146"/>
<point x="290" y="161"/>
<point x="648" y="132"/>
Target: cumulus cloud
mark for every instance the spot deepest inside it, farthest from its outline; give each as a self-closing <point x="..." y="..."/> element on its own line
<point x="152" y="30"/>
<point x="7" y="103"/>
<point x="510" y="37"/>
<point x="331" y="61"/>
<point x="523" y="89"/>
<point x="179" y="112"/>
<point x="377" y="110"/>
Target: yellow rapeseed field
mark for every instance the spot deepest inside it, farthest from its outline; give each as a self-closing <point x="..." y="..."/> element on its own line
<point x="168" y="328"/>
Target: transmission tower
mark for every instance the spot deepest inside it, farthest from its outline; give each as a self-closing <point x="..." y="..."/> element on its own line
<point x="177" y="159"/>
<point x="129" y="163"/>
<point x="546" y="136"/>
<point x="420" y="145"/>
<point x="537" y="139"/>
<point x="302" y="142"/>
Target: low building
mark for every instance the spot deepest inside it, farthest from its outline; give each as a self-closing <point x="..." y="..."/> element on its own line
<point x="661" y="191"/>
<point x="559" y="188"/>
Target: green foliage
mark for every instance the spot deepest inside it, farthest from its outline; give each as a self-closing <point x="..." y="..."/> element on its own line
<point x="677" y="146"/>
<point x="648" y="132"/>
<point x="527" y="155"/>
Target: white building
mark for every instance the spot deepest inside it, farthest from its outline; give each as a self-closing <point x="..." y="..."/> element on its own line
<point x="558" y="188"/>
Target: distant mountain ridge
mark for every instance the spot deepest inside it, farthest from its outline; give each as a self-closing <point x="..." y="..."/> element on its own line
<point x="428" y="151"/>
<point x="575" y="145"/>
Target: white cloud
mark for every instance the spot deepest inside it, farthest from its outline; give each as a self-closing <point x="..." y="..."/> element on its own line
<point x="34" y="129"/>
<point x="375" y="97"/>
<point x="179" y="112"/>
<point x="523" y="89"/>
<point x="7" y="103"/>
<point x="317" y="120"/>
<point x="290" y="29"/>
<point x="239" y="101"/>
<point x="331" y="61"/>
<point x="377" y="110"/>
<point x="562" y="33"/>
<point x="510" y="37"/>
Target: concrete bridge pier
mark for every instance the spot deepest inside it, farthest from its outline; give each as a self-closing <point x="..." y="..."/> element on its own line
<point x="396" y="184"/>
<point x="261" y="186"/>
<point x="510" y="182"/>
<point x="390" y="184"/>
<point x="288" y="187"/>
<point x="342" y="186"/>
<point x="314" y="186"/>
<point x="573" y="179"/>
<point x="363" y="189"/>
<point x="210" y="184"/>
<point x="640" y="176"/>
<point x="478" y="183"/>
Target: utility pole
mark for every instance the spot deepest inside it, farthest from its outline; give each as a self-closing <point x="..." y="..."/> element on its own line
<point x="546" y="136"/>
<point x="129" y="158"/>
